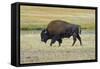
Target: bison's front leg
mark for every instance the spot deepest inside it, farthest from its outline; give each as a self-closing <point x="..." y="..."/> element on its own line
<point x="52" y="41"/>
<point x="60" y="41"/>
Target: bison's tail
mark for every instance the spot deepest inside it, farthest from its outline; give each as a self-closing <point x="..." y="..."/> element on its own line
<point x="80" y="29"/>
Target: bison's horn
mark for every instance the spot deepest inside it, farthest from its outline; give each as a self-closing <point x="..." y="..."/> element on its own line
<point x="45" y="31"/>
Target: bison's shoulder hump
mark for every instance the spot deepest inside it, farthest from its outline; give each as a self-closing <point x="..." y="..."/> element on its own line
<point x="56" y="26"/>
<point x="57" y="23"/>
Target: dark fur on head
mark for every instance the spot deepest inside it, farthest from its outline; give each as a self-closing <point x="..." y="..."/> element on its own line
<point x="44" y="35"/>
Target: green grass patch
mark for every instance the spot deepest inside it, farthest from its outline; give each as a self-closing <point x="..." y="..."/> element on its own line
<point x="42" y="26"/>
<point x="33" y="27"/>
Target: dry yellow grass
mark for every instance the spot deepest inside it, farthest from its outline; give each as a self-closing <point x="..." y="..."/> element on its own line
<point x="35" y="51"/>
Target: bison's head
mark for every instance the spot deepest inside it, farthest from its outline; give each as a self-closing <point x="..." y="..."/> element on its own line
<point x="44" y="35"/>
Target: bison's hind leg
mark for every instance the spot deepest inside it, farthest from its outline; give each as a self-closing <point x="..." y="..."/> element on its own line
<point x="79" y="38"/>
<point x="74" y="38"/>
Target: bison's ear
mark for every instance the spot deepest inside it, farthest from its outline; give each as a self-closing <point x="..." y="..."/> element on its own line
<point x="45" y="31"/>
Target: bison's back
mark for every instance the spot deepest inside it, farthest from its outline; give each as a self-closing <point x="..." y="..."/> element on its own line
<point x="57" y="27"/>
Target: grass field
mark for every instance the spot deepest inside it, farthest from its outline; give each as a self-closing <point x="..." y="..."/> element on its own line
<point x="35" y="51"/>
<point x="33" y="19"/>
<point x="37" y="18"/>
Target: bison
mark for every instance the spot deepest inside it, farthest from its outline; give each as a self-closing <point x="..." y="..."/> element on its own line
<point x="59" y="29"/>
